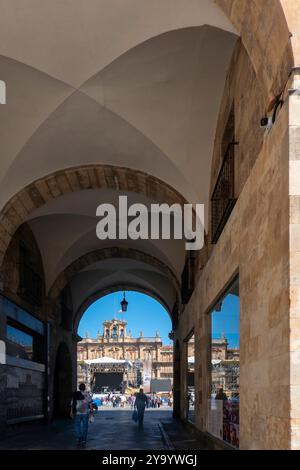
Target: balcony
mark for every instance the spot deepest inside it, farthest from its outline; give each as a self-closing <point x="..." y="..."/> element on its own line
<point x="223" y="200"/>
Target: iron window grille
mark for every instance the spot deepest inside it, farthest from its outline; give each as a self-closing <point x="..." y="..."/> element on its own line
<point x="223" y="197"/>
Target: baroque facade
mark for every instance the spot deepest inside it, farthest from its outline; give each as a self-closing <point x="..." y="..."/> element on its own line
<point x="116" y="343"/>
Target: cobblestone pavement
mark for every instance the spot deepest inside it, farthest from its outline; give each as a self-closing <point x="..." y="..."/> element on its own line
<point x="112" y="429"/>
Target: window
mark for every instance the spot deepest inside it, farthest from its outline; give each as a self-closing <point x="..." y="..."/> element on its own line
<point x="223" y="403"/>
<point x="24" y="344"/>
<point x="223" y="197"/>
<point x="114" y="332"/>
<point x="17" y="314"/>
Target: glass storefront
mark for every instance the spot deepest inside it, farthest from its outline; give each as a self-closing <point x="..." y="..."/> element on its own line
<point x="25" y="363"/>
<point x="24" y="345"/>
<point x="223" y="403"/>
<point x="190" y="378"/>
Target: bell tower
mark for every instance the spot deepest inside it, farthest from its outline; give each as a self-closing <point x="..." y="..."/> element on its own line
<point x="114" y="330"/>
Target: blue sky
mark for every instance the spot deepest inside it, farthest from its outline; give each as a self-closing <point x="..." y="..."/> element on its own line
<point x="143" y="313"/>
<point x="227" y="321"/>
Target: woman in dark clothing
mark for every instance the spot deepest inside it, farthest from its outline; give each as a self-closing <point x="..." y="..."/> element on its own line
<point x="140" y="405"/>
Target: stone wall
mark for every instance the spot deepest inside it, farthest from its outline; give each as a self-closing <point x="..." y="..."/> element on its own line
<point x="243" y="95"/>
<point x="254" y="244"/>
<point x="264" y="29"/>
<point x="294" y="287"/>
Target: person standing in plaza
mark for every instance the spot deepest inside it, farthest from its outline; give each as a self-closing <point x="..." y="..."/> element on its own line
<point x="221" y="395"/>
<point x="140" y="405"/>
<point x="132" y="401"/>
<point x="81" y="409"/>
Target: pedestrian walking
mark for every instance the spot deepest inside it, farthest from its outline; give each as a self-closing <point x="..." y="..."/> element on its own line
<point x="221" y="395"/>
<point x="81" y="410"/>
<point x="140" y="405"/>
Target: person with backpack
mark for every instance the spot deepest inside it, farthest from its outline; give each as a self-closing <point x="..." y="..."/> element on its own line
<point x="81" y="409"/>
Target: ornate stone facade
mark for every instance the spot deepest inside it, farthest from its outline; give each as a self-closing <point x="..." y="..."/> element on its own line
<point x="114" y="342"/>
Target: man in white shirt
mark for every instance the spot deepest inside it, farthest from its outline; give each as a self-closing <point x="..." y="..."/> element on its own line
<point x="81" y="408"/>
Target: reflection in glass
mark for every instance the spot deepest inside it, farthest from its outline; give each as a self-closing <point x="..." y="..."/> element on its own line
<point x="223" y="406"/>
<point x="190" y="379"/>
<point x="24" y="345"/>
<point x="19" y="343"/>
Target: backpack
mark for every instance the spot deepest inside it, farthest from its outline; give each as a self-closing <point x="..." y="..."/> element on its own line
<point x="80" y="403"/>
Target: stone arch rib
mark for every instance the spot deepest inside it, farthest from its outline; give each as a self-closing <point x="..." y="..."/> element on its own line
<point x="77" y="178"/>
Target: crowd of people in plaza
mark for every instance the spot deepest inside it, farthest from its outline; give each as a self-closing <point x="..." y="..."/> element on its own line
<point x="121" y="400"/>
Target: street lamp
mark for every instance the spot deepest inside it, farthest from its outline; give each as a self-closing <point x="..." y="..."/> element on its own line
<point x="124" y="304"/>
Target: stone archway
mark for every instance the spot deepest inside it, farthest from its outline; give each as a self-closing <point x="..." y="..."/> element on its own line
<point x="116" y="288"/>
<point x="103" y="254"/>
<point x="74" y="179"/>
<point x="177" y="380"/>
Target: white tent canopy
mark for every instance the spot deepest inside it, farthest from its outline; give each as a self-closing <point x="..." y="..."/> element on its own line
<point x="107" y="360"/>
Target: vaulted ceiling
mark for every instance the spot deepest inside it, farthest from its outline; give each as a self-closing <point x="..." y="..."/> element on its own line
<point x="133" y="83"/>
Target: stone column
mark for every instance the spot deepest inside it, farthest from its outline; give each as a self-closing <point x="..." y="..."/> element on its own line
<point x="294" y="198"/>
<point x="3" y="378"/>
<point x="176" y="379"/>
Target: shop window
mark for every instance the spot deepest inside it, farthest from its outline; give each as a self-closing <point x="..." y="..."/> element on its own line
<point x="190" y="378"/>
<point x="223" y="403"/>
<point x="23" y="344"/>
<point x="18" y="315"/>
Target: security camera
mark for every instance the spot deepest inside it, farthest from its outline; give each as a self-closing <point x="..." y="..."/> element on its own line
<point x="266" y="122"/>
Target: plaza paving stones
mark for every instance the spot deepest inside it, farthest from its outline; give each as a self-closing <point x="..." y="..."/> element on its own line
<point x="112" y="429"/>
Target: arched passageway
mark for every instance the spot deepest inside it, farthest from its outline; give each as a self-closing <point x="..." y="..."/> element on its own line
<point x="162" y="109"/>
<point x="125" y="348"/>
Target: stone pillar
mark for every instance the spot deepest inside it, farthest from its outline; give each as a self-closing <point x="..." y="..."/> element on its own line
<point x="294" y="198"/>
<point x="3" y="379"/>
<point x="176" y="379"/>
<point x="202" y="370"/>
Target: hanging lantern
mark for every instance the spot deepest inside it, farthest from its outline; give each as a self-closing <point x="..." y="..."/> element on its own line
<point x="124" y="304"/>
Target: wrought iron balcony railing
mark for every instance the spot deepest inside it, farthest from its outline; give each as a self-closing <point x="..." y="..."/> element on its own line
<point x="223" y="198"/>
